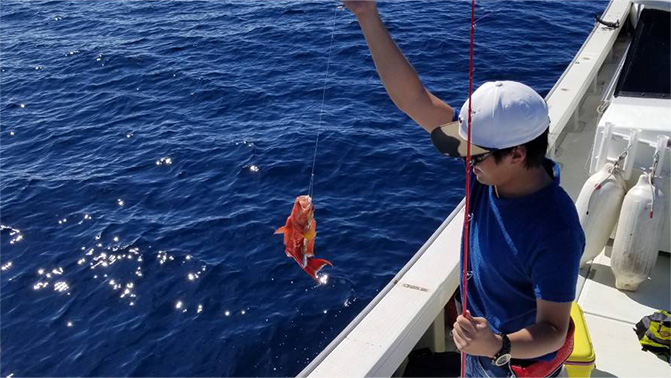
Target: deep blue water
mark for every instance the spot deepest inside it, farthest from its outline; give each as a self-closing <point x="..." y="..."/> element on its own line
<point x="149" y="149"/>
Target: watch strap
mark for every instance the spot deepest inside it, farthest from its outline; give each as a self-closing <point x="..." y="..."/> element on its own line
<point x="505" y="348"/>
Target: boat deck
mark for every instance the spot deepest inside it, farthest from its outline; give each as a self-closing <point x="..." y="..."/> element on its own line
<point x="611" y="315"/>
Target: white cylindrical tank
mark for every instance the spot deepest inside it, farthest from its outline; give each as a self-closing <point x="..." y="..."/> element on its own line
<point x="598" y="206"/>
<point x="638" y="235"/>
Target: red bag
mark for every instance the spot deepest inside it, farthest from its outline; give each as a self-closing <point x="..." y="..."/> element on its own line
<point x="546" y="368"/>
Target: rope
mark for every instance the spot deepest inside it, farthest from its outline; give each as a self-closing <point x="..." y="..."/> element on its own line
<point x="467" y="215"/>
<point x="321" y="109"/>
<point x="651" y="178"/>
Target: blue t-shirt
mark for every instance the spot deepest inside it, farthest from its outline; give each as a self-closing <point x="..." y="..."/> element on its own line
<point x="521" y="250"/>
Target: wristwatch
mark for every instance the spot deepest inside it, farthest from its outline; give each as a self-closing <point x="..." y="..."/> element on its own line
<point x="503" y="356"/>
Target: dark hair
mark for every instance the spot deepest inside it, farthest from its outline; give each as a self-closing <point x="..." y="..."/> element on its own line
<point x="535" y="151"/>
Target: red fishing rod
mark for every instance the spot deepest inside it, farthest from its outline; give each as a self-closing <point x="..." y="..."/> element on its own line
<point x="467" y="216"/>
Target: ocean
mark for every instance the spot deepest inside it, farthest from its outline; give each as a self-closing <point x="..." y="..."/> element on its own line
<point x="149" y="150"/>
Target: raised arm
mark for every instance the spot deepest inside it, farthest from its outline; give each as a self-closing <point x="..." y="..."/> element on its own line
<point x="398" y="76"/>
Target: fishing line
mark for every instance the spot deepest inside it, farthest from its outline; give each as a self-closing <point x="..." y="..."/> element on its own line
<point x="321" y="109"/>
<point x="488" y="12"/>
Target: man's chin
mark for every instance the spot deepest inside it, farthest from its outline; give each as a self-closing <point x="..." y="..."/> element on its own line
<point x="482" y="180"/>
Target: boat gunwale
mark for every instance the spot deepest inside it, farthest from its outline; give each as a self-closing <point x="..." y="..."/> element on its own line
<point x="578" y="53"/>
<point x="558" y="127"/>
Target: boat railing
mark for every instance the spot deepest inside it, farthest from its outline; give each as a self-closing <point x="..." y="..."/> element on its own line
<point x="608" y="93"/>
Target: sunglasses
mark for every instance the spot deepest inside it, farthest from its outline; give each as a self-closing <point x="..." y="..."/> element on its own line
<point x="477" y="159"/>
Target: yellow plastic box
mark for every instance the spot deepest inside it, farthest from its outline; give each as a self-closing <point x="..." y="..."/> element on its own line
<point x="581" y="362"/>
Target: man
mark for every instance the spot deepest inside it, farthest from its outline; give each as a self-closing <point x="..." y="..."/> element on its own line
<point x="526" y="240"/>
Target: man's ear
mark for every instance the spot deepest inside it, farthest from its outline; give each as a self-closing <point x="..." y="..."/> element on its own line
<point x="518" y="155"/>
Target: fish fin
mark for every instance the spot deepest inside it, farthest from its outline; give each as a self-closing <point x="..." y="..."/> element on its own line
<point x="310" y="248"/>
<point x="281" y="230"/>
<point x="310" y="235"/>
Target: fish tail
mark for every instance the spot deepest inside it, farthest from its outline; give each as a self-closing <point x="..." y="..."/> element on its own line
<point x="315" y="265"/>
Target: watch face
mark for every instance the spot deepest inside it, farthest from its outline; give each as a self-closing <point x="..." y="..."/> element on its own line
<point x="503" y="359"/>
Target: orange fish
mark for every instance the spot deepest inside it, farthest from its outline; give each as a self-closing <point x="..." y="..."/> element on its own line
<point x="299" y="236"/>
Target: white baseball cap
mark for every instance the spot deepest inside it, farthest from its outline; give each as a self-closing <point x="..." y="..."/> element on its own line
<point x="505" y="114"/>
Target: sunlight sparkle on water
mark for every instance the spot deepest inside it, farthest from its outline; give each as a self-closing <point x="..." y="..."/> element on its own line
<point x="254" y="168"/>
<point x="128" y="291"/>
<point x="164" y="161"/>
<point x="178" y="305"/>
<point x="163" y="257"/>
<point x="17" y="237"/>
<point x="61" y="286"/>
<point x="323" y="279"/>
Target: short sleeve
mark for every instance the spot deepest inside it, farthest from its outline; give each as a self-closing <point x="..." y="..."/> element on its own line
<point x="455" y="115"/>
<point x="554" y="270"/>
